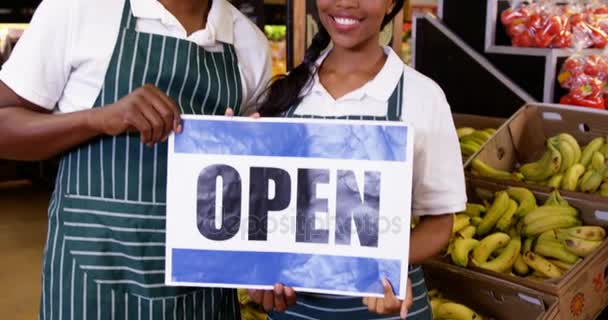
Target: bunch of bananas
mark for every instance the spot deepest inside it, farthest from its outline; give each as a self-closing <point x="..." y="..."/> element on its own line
<point x="512" y="235"/>
<point x="471" y="140"/>
<point x="446" y="309"/>
<point x="564" y="166"/>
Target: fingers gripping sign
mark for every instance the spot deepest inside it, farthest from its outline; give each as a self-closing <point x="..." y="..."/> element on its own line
<point x="390" y="304"/>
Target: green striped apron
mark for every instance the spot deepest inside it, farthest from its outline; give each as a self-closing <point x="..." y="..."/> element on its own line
<point x="320" y="306"/>
<point x="105" y="251"/>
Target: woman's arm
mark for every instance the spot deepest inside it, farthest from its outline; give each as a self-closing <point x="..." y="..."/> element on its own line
<point x="429" y="237"/>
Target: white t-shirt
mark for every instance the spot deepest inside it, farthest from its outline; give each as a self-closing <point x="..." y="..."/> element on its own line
<point x="438" y="182"/>
<point x="61" y="60"/>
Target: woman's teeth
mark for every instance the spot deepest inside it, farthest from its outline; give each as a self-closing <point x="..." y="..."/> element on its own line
<point x="346" y="21"/>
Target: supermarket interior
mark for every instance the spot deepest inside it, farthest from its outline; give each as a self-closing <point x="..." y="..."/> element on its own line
<point x="527" y="85"/>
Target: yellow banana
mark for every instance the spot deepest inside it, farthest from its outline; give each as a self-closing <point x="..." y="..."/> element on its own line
<point x="590" y="181"/>
<point x="525" y="198"/>
<point x="489" y="244"/>
<point x="598" y="161"/>
<point x="506" y="259"/>
<point x="468" y="232"/>
<point x="475" y="221"/>
<point x="464" y="131"/>
<point x="567" y="152"/>
<point x="563" y="265"/>
<point x="548" y="235"/>
<point x="548" y="165"/>
<point x="490" y="130"/>
<point x="498" y="208"/>
<point x="506" y="220"/>
<point x="542" y="265"/>
<point x="456" y="311"/>
<point x="528" y="244"/>
<point x="485" y="170"/>
<point x="461" y="250"/>
<point x="435" y="303"/>
<point x="481" y="134"/>
<point x="547" y="211"/>
<point x="469" y="149"/>
<point x="573" y="143"/>
<point x="604" y="150"/>
<point x="513" y="232"/>
<point x="571" y="177"/>
<point x="591" y="233"/>
<point x="591" y="148"/>
<point x="474" y="210"/>
<point x="434" y="294"/>
<point x="555" y="199"/>
<point x="581" y="247"/>
<point x="460" y="222"/>
<point x="520" y="267"/>
<point x="555" y="181"/>
<point x="549" y="223"/>
<point x="554" y="249"/>
<point x="604" y="189"/>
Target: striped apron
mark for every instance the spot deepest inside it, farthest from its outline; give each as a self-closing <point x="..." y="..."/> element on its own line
<point x="320" y="306"/>
<point x="105" y="251"/>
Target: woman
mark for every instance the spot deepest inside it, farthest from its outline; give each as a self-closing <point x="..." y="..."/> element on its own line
<point x="358" y="79"/>
<point x="103" y="83"/>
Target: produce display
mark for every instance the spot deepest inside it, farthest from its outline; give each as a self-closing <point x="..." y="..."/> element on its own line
<point x="472" y="139"/>
<point x="564" y="165"/>
<point x="278" y="49"/>
<point x="512" y="233"/>
<point x="548" y="24"/>
<point x="444" y="309"/>
<point x="586" y="78"/>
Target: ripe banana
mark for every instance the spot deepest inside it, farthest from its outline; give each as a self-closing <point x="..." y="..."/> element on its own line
<point x="520" y="267"/>
<point x="604" y="189"/>
<point x="461" y="250"/>
<point x="435" y="303"/>
<point x="591" y="148"/>
<point x="464" y="131"/>
<point x="490" y="130"/>
<point x="481" y="134"/>
<point x="475" y="221"/>
<point x="581" y="247"/>
<point x="567" y="152"/>
<point x="542" y="265"/>
<point x="525" y="198"/>
<point x="548" y="235"/>
<point x="489" y="244"/>
<point x="506" y="220"/>
<point x="528" y="244"/>
<point x="474" y="210"/>
<point x="456" y="311"/>
<point x="571" y="177"/>
<point x="549" y="223"/>
<point x="556" y="199"/>
<point x="506" y="259"/>
<point x="498" y="208"/>
<point x="555" y="181"/>
<point x="513" y="232"/>
<point x="562" y="265"/>
<point x="598" y="161"/>
<point x="573" y="143"/>
<point x="591" y="181"/>
<point x="591" y="233"/>
<point x="486" y="170"/>
<point x="547" y="211"/>
<point x="548" y="165"/>
<point x="554" y="249"/>
<point x="604" y="150"/>
<point x="468" y="232"/>
<point x="460" y="222"/>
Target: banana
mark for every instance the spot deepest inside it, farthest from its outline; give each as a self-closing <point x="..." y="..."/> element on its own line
<point x="549" y="223"/>
<point x="571" y="177"/>
<point x="456" y="311"/>
<point x="556" y="199"/>
<point x="461" y="250"/>
<point x="481" y="134"/>
<point x="547" y="211"/>
<point x="581" y="247"/>
<point x="486" y="170"/>
<point x="460" y="222"/>
<point x="555" y="181"/>
<point x="498" y="208"/>
<point x="528" y="244"/>
<point x="489" y="244"/>
<point x="475" y="221"/>
<point x="468" y="232"/>
<point x="562" y="265"/>
<point x="506" y="220"/>
<point x="598" y="161"/>
<point x="474" y="210"/>
<point x="548" y="235"/>
<point x="525" y="198"/>
<point x="590" y="149"/>
<point x="506" y="259"/>
<point x="513" y="232"/>
<point x="464" y="131"/>
<point x="542" y="265"/>
<point x="604" y="189"/>
<point x="434" y="294"/>
<point x="468" y="149"/>
<point x="591" y="233"/>
<point x="590" y="181"/>
<point x="573" y="143"/>
<point x="435" y="303"/>
<point x="490" y="130"/>
<point x="604" y="150"/>
<point x="548" y="165"/>
<point x="567" y="152"/>
<point x="520" y="267"/>
<point x="554" y="249"/>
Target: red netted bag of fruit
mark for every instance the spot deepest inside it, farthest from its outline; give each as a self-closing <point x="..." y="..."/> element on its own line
<point x="585" y="76"/>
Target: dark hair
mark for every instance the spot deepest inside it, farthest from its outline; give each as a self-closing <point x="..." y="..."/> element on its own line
<point x="284" y="91"/>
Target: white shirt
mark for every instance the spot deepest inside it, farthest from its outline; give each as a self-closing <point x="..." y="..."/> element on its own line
<point x="438" y="183"/>
<point x="61" y="60"/>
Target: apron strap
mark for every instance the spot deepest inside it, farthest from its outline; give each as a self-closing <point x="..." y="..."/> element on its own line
<point x="395" y="102"/>
<point x="128" y="20"/>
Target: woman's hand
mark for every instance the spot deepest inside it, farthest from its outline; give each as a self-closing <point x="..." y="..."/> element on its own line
<point x="278" y="299"/>
<point x="147" y="110"/>
<point x="390" y="304"/>
<point x="230" y="113"/>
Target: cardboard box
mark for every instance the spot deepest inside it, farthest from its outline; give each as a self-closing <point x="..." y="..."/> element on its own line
<point x="490" y="297"/>
<point x="582" y="292"/>
<point x="522" y="139"/>
<point x="476" y="122"/>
